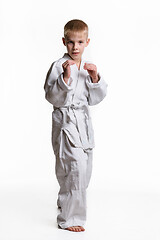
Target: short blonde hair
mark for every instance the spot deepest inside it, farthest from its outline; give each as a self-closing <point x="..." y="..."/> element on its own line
<point x="75" y="25"/>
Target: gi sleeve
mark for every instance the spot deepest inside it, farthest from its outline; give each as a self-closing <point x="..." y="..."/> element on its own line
<point x="56" y="90"/>
<point x="97" y="91"/>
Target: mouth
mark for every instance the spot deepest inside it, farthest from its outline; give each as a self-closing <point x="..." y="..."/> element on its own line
<point x="75" y="53"/>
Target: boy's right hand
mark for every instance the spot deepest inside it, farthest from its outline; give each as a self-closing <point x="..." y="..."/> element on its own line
<point x="67" y="70"/>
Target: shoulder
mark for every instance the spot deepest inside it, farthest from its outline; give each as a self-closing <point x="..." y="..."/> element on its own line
<point x="57" y="63"/>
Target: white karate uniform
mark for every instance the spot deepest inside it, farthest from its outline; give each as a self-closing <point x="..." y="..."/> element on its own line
<point x="72" y="136"/>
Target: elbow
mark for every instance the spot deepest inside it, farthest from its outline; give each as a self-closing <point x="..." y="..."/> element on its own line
<point x="95" y="101"/>
<point x="49" y="98"/>
<point x="97" y="98"/>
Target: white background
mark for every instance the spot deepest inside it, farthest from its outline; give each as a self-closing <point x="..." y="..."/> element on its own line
<point x="125" y="45"/>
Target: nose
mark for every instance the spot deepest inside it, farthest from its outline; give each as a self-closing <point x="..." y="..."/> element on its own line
<point x="75" y="46"/>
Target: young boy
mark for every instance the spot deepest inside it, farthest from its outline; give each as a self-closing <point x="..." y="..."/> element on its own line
<point x="71" y="85"/>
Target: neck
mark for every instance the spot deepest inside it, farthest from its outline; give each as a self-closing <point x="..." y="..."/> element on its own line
<point x="78" y="64"/>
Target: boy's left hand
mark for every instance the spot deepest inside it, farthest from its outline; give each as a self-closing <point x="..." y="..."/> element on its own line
<point x="92" y="70"/>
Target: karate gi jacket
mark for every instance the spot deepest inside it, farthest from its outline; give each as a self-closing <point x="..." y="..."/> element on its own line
<point x="70" y="101"/>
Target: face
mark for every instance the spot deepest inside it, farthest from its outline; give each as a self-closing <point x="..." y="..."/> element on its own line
<point x="76" y="43"/>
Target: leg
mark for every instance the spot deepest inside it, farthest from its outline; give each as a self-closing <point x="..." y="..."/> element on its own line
<point x="62" y="177"/>
<point x="71" y="172"/>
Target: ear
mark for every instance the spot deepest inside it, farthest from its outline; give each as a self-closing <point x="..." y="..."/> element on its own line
<point x="64" y="42"/>
<point x="87" y="42"/>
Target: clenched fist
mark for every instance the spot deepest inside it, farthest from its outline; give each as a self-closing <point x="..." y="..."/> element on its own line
<point x="92" y="70"/>
<point x="67" y="70"/>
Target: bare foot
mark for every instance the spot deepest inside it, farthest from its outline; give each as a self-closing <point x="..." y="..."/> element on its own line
<point x="76" y="229"/>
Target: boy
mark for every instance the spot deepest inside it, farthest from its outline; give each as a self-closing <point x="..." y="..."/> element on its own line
<point x="71" y="85"/>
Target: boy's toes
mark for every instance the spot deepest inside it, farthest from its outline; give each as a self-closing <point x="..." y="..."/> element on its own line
<point x="82" y="229"/>
<point x="69" y="228"/>
<point x="76" y="229"/>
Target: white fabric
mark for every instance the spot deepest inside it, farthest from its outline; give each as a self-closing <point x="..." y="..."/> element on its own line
<point x="72" y="136"/>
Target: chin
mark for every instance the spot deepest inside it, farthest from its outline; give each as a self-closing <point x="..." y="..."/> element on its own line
<point x="76" y="58"/>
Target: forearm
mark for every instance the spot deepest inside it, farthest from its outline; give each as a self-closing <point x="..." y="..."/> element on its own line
<point x="97" y="90"/>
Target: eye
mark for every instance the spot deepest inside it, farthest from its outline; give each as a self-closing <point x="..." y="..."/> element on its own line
<point x="80" y="42"/>
<point x="70" y="42"/>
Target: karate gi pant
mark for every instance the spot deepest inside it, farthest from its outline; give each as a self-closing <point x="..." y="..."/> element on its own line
<point x="73" y="172"/>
